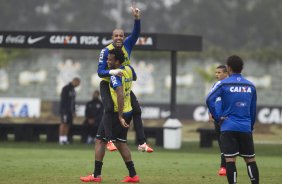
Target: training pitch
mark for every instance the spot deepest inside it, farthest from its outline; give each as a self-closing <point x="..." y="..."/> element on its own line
<point x="50" y="163"/>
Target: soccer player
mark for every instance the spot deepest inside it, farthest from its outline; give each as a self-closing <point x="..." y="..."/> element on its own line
<point x="220" y="74"/>
<point x="126" y="44"/>
<point x="236" y="119"/>
<point x="67" y="109"/>
<point x="120" y="88"/>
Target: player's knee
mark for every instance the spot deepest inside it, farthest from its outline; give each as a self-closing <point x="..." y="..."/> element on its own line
<point x="248" y="160"/>
<point x="99" y="142"/>
<point x="230" y="159"/>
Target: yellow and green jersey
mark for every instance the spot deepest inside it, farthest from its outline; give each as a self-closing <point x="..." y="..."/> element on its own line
<point x="126" y="82"/>
<point x="126" y="58"/>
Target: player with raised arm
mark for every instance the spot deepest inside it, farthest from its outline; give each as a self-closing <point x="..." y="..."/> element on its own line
<point x="126" y="45"/>
<point x="120" y="88"/>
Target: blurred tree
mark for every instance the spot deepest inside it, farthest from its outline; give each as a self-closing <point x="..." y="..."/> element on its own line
<point x="230" y="25"/>
<point x="7" y="55"/>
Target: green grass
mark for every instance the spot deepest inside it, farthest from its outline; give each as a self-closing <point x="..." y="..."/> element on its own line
<point x="50" y="163"/>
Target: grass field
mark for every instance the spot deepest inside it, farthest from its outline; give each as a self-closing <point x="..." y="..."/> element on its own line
<point x="50" y="163"/>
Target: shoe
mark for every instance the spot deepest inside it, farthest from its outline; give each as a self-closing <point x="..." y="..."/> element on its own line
<point x="90" y="178"/>
<point x="222" y="171"/>
<point x="145" y="148"/>
<point x="111" y="146"/>
<point x="129" y="179"/>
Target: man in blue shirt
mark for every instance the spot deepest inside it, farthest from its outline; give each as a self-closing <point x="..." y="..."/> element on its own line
<point x="126" y="44"/>
<point x="236" y="118"/>
<point x="220" y="74"/>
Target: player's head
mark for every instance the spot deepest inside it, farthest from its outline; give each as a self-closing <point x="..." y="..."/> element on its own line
<point x="96" y="94"/>
<point x="234" y="64"/>
<point x="118" y="37"/>
<point x="75" y="81"/>
<point x="221" y="72"/>
<point x="115" y="58"/>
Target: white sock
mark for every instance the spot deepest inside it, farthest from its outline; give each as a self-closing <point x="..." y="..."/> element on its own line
<point x="65" y="138"/>
<point x="61" y="139"/>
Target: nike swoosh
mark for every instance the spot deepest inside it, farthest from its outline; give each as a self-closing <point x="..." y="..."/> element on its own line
<point x="31" y="40"/>
<point x="106" y="42"/>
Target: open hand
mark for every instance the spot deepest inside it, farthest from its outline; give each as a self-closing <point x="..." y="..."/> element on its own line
<point x="135" y="11"/>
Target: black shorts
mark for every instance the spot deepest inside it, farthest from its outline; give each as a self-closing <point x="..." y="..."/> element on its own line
<point x="119" y="132"/>
<point x="237" y="143"/>
<point x="67" y="118"/>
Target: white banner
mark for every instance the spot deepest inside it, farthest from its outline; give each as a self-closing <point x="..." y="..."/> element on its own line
<point x="20" y="107"/>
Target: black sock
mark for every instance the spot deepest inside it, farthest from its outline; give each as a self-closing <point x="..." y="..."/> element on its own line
<point x="131" y="169"/>
<point x="231" y="172"/>
<point x="97" y="168"/>
<point x="223" y="163"/>
<point x="253" y="172"/>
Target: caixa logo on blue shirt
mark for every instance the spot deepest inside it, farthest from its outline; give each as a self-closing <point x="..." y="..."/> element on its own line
<point x="114" y="80"/>
<point x="240" y="89"/>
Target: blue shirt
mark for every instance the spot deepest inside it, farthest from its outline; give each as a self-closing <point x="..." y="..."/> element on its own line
<point x="238" y="103"/>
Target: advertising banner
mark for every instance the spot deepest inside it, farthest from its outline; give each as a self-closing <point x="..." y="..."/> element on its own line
<point x="194" y="112"/>
<point x="20" y="107"/>
<point x="66" y="40"/>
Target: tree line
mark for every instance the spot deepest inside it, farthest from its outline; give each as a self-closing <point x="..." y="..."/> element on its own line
<point x="252" y="26"/>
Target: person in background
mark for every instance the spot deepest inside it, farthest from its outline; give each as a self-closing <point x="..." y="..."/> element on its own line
<point x="93" y="116"/>
<point x="220" y="74"/>
<point x="67" y="109"/>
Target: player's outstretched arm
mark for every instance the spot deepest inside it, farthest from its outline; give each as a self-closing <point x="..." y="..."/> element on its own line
<point x="133" y="37"/>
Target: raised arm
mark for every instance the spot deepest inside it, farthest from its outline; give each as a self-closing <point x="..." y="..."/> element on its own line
<point x="135" y="12"/>
<point x="133" y="37"/>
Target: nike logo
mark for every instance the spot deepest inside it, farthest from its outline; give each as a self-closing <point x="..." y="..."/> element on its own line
<point x="106" y="42"/>
<point x="31" y="40"/>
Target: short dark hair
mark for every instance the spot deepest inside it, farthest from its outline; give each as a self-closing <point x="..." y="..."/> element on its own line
<point x="235" y="63"/>
<point x="76" y="79"/>
<point x="223" y="67"/>
<point x="119" y="55"/>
